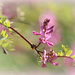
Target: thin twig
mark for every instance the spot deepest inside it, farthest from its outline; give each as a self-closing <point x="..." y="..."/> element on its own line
<point x="38" y="44"/>
<point x="21" y="36"/>
<point x="65" y="57"/>
<point x="4" y="50"/>
<point x="38" y="52"/>
<point x="34" y="47"/>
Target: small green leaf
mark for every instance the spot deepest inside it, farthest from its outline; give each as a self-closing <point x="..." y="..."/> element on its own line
<point x="40" y="57"/>
<point x="0" y="21"/>
<point x="4" y="19"/>
<point x="3" y="33"/>
<point x="73" y="56"/>
<point x="5" y="45"/>
<point x="6" y="35"/>
<point x="1" y="37"/>
<point x="11" y="49"/>
<point x="1" y="41"/>
<point x="65" y="48"/>
<point x="60" y="54"/>
<point x="5" y="23"/>
<point x="10" y="30"/>
<point x="8" y="23"/>
<point x="69" y="52"/>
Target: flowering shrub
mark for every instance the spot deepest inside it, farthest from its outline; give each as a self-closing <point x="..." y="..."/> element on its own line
<point x="45" y="34"/>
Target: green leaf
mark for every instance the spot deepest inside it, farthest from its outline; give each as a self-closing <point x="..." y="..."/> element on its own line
<point x="0" y="21"/>
<point x="11" y="49"/>
<point x="3" y="33"/>
<point x="10" y="30"/>
<point x="4" y="19"/>
<point x="1" y="37"/>
<point x="69" y="52"/>
<point x="65" y="48"/>
<point x="6" y="35"/>
<point x="1" y="41"/>
<point x="5" y="45"/>
<point x="8" y="23"/>
<point x="5" y="23"/>
<point x="60" y="54"/>
<point x="73" y="56"/>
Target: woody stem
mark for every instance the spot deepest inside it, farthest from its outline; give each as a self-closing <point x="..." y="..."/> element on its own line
<point x="21" y="36"/>
<point x="65" y="57"/>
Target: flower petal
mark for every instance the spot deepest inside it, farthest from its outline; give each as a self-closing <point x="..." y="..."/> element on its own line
<point x="44" y="53"/>
<point x="55" y="63"/>
<point x="50" y="28"/>
<point x="35" y="33"/>
<point x="48" y="36"/>
<point x="49" y="43"/>
<point x="41" y="40"/>
<point x="44" y="65"/>
<point x="49" y="31"/>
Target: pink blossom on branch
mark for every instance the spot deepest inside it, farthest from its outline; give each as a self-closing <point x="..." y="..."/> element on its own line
<point x="56" y="35"/>
<point x="45" y="32"/>
<point x="49" y="57"/>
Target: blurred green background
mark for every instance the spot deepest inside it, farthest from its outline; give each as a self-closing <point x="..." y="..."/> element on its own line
<point x="26" y="18"/>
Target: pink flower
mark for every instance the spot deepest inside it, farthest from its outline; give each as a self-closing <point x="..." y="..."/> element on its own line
<point x="9" y="10"/>
<point x="56" y="36"/>
<point x="44" y="57"/>
<point x="50" y="57"/>
<point x="45" y="33"/>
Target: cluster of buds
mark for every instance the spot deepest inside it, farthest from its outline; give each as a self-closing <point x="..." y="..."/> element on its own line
<point x="49" y="57"/>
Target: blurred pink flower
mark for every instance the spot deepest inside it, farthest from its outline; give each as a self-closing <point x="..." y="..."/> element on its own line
<point x="56" y="35"/>
<point x="9" y="10"/>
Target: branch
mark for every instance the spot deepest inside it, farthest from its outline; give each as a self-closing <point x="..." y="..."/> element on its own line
<point x="21" y="36"/>
<point x="66" y="57"/>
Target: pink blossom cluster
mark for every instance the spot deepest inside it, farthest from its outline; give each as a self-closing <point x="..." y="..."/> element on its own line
<point x="49" y="57"/>
<point x="45" y="35"/>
